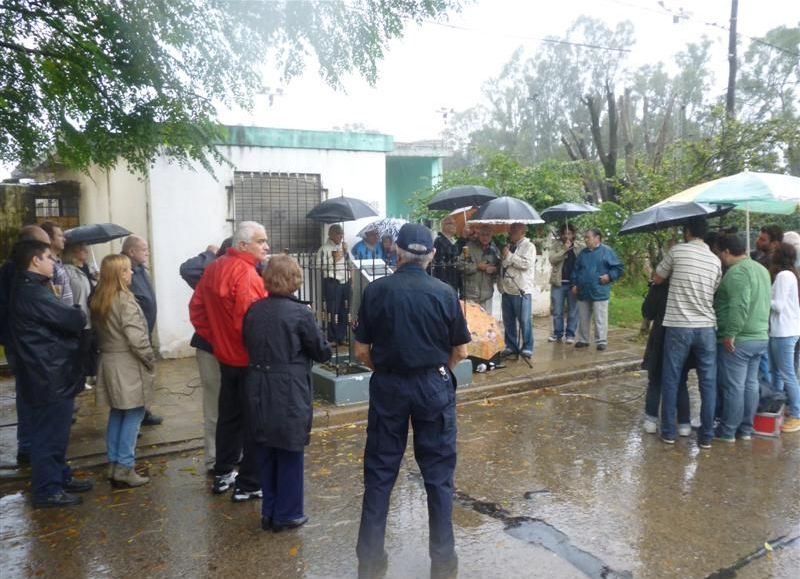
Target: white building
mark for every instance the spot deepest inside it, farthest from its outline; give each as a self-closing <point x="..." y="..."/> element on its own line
<point x="274" y="176"/>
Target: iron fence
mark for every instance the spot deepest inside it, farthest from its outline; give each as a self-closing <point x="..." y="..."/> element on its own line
<point x="333" y="286"/>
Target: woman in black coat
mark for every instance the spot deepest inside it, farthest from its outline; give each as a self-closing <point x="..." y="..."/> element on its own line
<point x="282" y="339"/>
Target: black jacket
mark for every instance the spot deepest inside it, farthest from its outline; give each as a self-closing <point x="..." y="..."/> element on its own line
<point x="46" y="339"/>
<point x="282" y="339"/>
<point x="7" y="271"/>
<point x="142" y="289"/>
<point x="444" y="262"/>
<point x="654" y="308"/>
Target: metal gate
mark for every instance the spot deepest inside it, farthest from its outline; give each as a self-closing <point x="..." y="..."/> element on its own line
<point x="280" y="202"/>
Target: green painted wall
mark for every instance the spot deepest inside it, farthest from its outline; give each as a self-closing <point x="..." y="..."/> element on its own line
<point x="296" y="139"/>
<point x="404" y="177"/>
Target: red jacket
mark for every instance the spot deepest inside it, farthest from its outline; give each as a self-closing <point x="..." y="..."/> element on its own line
<point x="228" y="287"/>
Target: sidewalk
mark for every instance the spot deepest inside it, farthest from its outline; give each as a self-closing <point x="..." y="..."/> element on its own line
<point x="179" y="400"/>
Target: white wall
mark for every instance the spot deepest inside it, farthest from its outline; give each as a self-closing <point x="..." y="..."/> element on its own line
<point x="189" y="210"/>
<point x="126" y="204"/>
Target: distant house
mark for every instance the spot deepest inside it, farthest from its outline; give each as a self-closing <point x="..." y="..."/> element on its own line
<point x="275" y="176"/>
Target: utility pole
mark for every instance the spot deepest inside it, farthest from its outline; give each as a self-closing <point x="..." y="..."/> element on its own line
<point x="730" y="101"/>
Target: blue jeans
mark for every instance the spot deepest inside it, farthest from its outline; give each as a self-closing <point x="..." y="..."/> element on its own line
<point x="49" y="437"/>
<point x="559" y="297"/>
<point x="738" y="373"/>
<point x="784" y="376"/>
<point x="281" y="483"/>
<point x="123" y="427"/>
<point x="517" y="314"/>
<point x="678" y="344"/>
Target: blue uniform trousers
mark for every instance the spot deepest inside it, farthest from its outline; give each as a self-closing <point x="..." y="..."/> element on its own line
<point x="281" y="483"/>
<point x="428" y="400"/>
<point x="49" y="436"/>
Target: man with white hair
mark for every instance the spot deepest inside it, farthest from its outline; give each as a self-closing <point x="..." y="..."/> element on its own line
<point x="411" y="333"/>
<point x="226" y="291"/>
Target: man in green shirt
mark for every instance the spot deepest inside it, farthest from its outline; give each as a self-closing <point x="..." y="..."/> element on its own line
<point x="742" y="305"/>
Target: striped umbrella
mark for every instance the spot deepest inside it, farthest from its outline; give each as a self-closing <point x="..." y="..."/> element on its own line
<point x="749" y="191"/>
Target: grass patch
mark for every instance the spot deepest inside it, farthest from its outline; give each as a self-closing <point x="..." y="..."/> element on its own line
<point x="625" y="307"/>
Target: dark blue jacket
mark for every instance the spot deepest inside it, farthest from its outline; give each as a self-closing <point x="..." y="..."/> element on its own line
<point x="7" y="271"/>
<point x="589" y="266"/>
<point x="142" y="289"/>
<point x="46" y="340"/>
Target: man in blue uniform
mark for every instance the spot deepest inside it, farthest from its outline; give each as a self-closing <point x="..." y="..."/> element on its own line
<point x="411" y="332"/>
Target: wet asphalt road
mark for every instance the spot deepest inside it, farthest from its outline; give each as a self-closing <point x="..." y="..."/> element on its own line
<point x="550" y="484"/>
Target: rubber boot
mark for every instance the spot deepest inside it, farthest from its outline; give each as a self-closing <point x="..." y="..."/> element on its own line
<point x="127" y="476"/>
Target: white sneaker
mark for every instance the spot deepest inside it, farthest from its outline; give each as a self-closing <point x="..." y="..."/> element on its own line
<point x="553" y="339"/>
<point x="684" y="429"/>
<point x="650" y="425"/>
<point x="570" y="340"/>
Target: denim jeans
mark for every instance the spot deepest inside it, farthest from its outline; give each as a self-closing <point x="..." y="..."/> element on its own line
<point x="738" y="373"/>
<point x="123" y="428"/>
<point x="560" y="297"/>
<point x="678" y="344"/>
<point x="784" y="376"/>
<point x="517" y="314"/>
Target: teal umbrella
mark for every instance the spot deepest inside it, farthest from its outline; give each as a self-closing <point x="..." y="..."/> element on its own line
<point x="749" y="191"/>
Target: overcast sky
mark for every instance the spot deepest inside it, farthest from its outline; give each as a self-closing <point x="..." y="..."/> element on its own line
<point x="437" y="66"/>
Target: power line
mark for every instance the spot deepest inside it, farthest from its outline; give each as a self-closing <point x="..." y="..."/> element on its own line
<point x="550" y="40"/>
<point x="682" y="14"/>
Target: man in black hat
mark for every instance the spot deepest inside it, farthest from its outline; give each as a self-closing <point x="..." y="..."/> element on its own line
<point x="411" y="332"/>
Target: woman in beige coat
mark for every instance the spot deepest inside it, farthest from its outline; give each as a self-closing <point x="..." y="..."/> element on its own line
<point x="125" y="367"/>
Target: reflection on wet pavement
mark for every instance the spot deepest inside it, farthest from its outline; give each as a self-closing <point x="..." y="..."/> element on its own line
<point x="550" y="484"/>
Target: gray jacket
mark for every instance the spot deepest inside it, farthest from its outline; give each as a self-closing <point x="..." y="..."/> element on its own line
<point x="479" y="285"/>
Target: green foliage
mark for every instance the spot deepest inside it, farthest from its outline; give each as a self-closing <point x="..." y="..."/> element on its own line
<point x="541" y="185"/>
<point x="93" y="81"/>
<point x="625" y="305"/>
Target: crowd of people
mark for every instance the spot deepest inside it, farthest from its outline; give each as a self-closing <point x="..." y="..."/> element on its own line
<point x="64" y="327"/>
<point x="733" y="318"/>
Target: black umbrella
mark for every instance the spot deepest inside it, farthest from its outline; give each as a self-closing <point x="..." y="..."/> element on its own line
<point x="506" y="210"/>
<point x="670" y="214"/>
<point x="567" y="211"/>
<point x="461" y="196"/>
<point x="95" y="233"/>
<point x="341" y="209"/>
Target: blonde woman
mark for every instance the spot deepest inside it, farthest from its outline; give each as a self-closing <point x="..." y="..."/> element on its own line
<point x="125" y="367"/>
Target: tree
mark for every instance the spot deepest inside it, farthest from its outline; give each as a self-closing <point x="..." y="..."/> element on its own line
<point x="93" y="81"/>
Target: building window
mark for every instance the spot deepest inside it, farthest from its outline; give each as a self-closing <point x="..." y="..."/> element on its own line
<point x="280" y="202"/>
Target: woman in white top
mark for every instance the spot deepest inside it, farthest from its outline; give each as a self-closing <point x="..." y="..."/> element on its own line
<point x="784" y="330"/>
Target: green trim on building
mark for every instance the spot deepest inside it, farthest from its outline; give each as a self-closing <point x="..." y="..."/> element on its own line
<point x="404" y="177"/>
<point x="295" y="139"/>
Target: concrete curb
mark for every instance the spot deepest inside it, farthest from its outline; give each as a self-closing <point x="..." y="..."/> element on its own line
<point x="357" y="413"/>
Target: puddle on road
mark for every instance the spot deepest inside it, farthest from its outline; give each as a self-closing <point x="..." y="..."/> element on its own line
<point x="537" y="532"/>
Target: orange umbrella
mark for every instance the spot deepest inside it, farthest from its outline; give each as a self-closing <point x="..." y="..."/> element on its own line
<point x="464" y="214"/>
<point x="487" y="338"/>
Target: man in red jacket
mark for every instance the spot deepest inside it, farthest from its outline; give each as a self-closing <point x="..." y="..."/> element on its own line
<point x="227" y="289"/>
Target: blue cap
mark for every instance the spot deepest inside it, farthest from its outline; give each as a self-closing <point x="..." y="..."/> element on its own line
<point x="415" y="238"/>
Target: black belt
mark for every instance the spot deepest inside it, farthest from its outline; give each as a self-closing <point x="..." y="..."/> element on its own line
<point x="408" y="371"/>
<point x="277" y="367"/>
